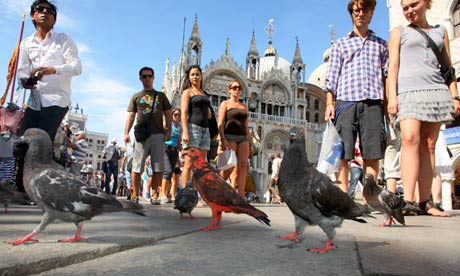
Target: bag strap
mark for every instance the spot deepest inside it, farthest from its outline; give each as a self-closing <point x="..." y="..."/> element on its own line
<point x="433" y="47"/>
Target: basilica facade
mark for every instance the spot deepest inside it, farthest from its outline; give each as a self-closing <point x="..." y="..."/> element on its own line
<point x="275" y="90"/>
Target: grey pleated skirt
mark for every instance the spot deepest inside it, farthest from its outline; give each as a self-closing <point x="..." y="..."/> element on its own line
<point x="426" y="105"/>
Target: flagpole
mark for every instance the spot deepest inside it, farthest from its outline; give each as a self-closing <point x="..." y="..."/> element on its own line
<point x="17" y="58"/>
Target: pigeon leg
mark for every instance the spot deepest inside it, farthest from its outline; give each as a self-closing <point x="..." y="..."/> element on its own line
<point x="181" y="216"/>
<point x="191" y="217"/>
<point x="212" y="226"/>
<point x="28" y="238"/>
<point x="390" y="221"/>
<point x="290" y="237"/>
<point x="325" y="249"/>
<point x="219" y="218"/>
<point x="77" y="237"/>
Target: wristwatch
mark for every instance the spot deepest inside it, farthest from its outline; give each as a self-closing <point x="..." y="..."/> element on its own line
<point x="456" y="98"/>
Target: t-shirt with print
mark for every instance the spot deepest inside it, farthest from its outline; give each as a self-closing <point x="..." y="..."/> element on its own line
<point x="141" y="103"/>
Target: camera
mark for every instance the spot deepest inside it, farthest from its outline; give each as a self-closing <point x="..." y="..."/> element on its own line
<point x="31" y="81"/>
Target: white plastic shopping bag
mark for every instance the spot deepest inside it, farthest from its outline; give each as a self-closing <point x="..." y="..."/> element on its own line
<point x="227" y="159"/>
<point x="331" y="150"/>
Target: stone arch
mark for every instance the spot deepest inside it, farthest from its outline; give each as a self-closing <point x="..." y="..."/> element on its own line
<point x="281" y="84"/>
<point x="277" y="140"/>
<point x="221" y="83"/>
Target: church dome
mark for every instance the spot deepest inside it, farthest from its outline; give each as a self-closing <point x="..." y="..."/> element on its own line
<point x="276" y="62"/>
<point x="318" y="77"/>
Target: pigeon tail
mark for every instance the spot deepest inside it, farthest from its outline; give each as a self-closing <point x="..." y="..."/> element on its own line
<point x="359" y="210"/>
<point x="254" y="212"/>
<point x="127" y="206"/>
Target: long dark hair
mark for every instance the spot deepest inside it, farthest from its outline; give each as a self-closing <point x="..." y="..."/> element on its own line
<point x="188" y="84"/>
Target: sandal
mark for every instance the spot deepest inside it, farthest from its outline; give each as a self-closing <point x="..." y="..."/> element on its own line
<point x="428" y="205"/>
<point x="411" y="208"/>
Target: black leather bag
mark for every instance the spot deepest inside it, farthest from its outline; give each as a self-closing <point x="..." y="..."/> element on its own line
<point x="447" y="73"/>
<point x="213" y="129"/>
<point x="142" y="130"/>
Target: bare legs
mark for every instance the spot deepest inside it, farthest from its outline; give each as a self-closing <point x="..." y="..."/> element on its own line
<point x="239" y="173"/>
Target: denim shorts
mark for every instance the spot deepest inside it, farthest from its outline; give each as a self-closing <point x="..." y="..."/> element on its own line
<point x="199" y="137"/>
<point x="238" y="139"/>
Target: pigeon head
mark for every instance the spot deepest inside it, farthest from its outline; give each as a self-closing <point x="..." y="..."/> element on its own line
<point x="197" y="159"/>
<point x="369" y="181"/>
<point x="40" y="147"/>
<point x="296" y="133"/>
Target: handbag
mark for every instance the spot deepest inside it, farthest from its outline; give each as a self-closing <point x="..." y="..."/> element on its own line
<point x="227" y="159"/>
<point x="212" y="122"/>
<point x="447" y="73"/>
<point x="142" y="130"/>
<point x="10" y="118"/>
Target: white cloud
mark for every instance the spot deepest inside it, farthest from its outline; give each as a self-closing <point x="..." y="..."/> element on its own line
<point x="66" y="22"/>
<point x="83" y="48"/>
<point x="11" y="8"/>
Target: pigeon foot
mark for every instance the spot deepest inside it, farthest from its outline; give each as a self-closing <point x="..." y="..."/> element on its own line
<point x="210" y="228"/>
<point x="28" y="238"/>
<point x="326" y="248"/>
<point x="387" y="223"/>
<point x="76" y="239"/>
<point x="290" y="237"/>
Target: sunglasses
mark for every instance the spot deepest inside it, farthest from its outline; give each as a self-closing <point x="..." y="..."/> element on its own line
<point x="235" y="87"/>
<point x="41" y="9"/>
<point x="147" y="76"/>
<point x="359" y="10"/>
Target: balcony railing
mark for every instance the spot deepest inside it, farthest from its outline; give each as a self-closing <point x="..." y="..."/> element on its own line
<point x="286" y="120"/>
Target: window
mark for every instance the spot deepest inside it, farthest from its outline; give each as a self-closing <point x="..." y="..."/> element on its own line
<point x="300" y="112"/>
<point x="282" y="111"/>
<point x="307" y="99"/>
<point x="316" y="105"/>
<point x="456" y="18"/>
<point x="262" y="105"/>
<point x="103" y="142"/>
<point x="215" y="100"/>
<point x="269" y="109"/>
<point x="276" y="110"/>
<point x="307" y="116"/>
<point x="316" y="119"/>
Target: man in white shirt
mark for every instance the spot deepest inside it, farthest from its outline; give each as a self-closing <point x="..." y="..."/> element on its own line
<point x="47" y="62"/>
<point x="274" y="178"/>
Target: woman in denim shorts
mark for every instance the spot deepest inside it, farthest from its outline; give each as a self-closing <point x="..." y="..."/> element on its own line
<point x="195" y="112"/>
<point x="234" y="134"/>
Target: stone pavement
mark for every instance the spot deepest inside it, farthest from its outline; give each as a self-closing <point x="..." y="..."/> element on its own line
<point x="164" y="244"/>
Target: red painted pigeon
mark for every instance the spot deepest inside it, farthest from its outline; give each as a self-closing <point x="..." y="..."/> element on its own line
<point x="384" y="201"/>
<point x="311" y="196"/>
<point x="218" y="194"/>
<point x="59" y="194"/>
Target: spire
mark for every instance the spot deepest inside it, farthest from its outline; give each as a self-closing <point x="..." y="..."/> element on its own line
<point x="270" y="30"/>
<point x="253" y="47"/>
<point x="195" y="32"/>
<point x="297" y="55"/>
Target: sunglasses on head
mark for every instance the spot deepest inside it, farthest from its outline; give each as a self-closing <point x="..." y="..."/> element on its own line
<point x="236" y="87"/>
<point x="147" y="76"/>
<point x="41" y="8"/>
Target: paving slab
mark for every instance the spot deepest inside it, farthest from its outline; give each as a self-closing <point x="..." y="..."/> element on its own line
<point x="164" y="244"/>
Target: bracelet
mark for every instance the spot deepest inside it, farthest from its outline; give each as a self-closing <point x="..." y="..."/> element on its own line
<point x="329" y="104"/>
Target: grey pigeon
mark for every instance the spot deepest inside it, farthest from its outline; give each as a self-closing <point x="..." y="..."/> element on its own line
<point x="59" y="194"/>
<point x="384" y="201"/>
<point x="186" y="200"/>
<point x="8" y="194"/>
<point x="311" y="196"/>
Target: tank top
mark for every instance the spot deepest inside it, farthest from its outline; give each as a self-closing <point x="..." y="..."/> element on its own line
<point x="234" y="121"/>
<point x="198" y="110"/>
<point x="418" y="65"/>
<point x="175" y="132"/>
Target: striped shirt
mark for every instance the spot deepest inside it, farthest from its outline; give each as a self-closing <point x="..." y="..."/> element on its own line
<point x="356" y="68"/>
<point x="79" y="153"/>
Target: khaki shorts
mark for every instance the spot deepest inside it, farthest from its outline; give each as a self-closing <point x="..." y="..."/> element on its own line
<point x="392" y="155"/>
<point x="153" y="146"/>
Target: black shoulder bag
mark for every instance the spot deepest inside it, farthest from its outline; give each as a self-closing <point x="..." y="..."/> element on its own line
<point x="212" y="122"/>
<point x="447" y="73"/>
<point x="142" y="129"/>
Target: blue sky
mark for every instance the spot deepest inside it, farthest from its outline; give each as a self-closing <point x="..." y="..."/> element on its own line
<point x="116" y="38"/>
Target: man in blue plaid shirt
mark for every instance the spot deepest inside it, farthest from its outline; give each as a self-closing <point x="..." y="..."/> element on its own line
<point x="355" y="90"/>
